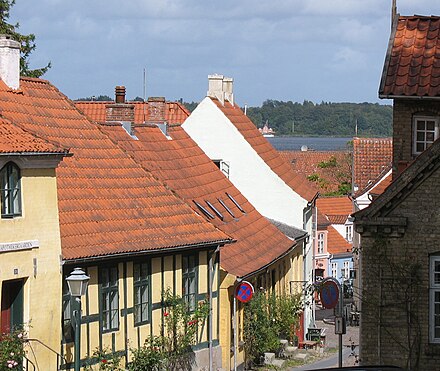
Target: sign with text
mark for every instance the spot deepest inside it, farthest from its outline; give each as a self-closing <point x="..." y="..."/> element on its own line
<point x="17" y="246"/>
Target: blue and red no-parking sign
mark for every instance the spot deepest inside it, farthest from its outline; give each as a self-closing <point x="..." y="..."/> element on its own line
<point x="329" y="294"/>
<point x="244" y="291"/>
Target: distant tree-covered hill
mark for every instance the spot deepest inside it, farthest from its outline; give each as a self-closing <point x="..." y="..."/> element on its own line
<point x="327" y="119"/>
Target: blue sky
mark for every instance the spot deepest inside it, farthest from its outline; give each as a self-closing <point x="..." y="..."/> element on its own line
<point x="318" y="50"/>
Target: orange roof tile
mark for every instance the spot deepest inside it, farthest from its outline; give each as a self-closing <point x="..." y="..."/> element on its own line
<point x="175" y="113"/>
<point x="371" y="156"/>
<point x="14" y="140"/>
<point x="265" y="150"/>
<point x="307" y="163"/>
<point x="336" y="244"/>
<point x="186" y="169"/>
<point x="337" y="209"/>
<point x="412" y="64"/>
<point x="108" y="204"/>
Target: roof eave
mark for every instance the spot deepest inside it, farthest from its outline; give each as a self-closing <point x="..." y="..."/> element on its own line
<point x="413" y="97"/>
<point x="164" y="250"/>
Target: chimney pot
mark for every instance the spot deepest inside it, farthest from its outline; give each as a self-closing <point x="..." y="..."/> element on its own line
<point x="120" y="94"/>
<point x="10" y="61"/>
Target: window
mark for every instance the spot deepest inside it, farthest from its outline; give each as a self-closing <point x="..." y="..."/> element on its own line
<point x="68" y="332"/>
<point x="434" y="299"/>
<point x="320" y="243"/>
<point x="109" y="299"/>
<point x="425" y="132"/>
<point x="349" y="232"/>
<point x="223" y="166"/>
<point x="189" y="280"/>
<point x="334" y="270"/>
<point x="346" y="270"/>
<point x="141" y="277"/>
<point x="10" y="190"/>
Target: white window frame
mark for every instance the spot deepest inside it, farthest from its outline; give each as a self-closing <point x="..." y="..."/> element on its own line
<point x="426" y="143"/>
<point x="320" y="247"/>
<point x="434" y="287"/>
<point x="349" y="232"/>
<point x="346" y="270"/>
<point x="334" y="270"/>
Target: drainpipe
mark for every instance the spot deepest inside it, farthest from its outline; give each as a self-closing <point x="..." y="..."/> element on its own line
<point x="234" y="322"/>
<point x="210" y="284"/>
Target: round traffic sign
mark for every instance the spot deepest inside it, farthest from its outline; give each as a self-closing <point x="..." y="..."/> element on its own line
<point x="329" y="294"/>
<point x="244" y="291"/>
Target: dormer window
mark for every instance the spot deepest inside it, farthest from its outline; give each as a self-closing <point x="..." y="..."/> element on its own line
<point x="425" y="132"/>
<point x="349" y="232"/>
<point x="10" y="190"/>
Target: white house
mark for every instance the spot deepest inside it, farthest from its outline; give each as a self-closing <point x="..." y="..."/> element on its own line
<point x="231" y="140"/>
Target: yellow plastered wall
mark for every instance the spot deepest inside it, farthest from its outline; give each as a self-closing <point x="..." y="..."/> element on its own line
<point x="285" y="269"/>
<point x="166" y="273"/>
<point x="42" y="284"/>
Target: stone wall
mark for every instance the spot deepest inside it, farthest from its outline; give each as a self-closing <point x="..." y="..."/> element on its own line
<point x="403" y="112"/>
<point x="395" y="271"/>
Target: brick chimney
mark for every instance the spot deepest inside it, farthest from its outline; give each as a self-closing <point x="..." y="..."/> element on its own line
<point x="221" y="88"/>
<point x="120" y="110"/>
<point x="10" y="61"/>
<point x="156" y="110"/>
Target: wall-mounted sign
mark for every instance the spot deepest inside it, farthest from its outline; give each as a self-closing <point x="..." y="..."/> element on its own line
<point x="16" y="246"/>
<point x="329" y="294"/>
<point x="244" y="291"/>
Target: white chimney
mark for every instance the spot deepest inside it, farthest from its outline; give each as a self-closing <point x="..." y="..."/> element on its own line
<point x="215" y="87"/>
<point x="220" y="87"/>
<point x="228" y="83"/>
<point x="10" y="61"/>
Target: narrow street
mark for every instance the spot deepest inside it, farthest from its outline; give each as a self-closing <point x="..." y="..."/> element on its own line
<point x="351" y="338"/>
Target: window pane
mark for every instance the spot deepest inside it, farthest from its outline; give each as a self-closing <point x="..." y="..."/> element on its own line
<point x="420" y="136"/>
<point x="430" y="125"/>
<point x="420" y="147"/>
<point x="430" y="136"/>
<point x="420" y="125"/>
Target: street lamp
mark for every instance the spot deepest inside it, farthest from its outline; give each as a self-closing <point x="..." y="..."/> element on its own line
<point x="77" y="282"/>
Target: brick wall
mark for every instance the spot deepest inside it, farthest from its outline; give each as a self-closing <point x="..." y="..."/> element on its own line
<point x="119" y="112"/>
<point x="404" y="110"/>
<point x="396" y="278"/>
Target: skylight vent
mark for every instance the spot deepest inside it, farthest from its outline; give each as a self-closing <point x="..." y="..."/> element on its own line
<point x="218" y="213"/>
<point x="204" y="210"/>
<point x="235" y="202"/>
<point x="226" y="207"/>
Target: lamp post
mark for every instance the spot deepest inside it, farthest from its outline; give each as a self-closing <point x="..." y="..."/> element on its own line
<point x="77" y="282"/>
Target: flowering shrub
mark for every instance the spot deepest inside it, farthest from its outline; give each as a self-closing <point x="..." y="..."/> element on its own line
<point x="105" y="359"/>
<point x="172" y="350"/>
<point x="12" y="350"/>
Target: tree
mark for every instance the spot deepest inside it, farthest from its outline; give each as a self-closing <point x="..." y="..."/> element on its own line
<point x="27" y="42"/>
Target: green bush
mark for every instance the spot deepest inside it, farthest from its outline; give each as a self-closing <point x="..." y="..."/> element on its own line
<point x="267" y="319"/>
<point x="172" y="350"/>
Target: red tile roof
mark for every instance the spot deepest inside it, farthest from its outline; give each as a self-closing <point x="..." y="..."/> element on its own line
<point x="270" y="156"/>
<point x="175" y="113"/>
<point x="108" y="204"/>
<point x="371" y="156"/>
<point x="412" y="65"/>
<point x="309" y="163"/>
<point x="336" y="244"/>
<point x="186" y="169"/>
<point x="14" y="140"/>
<point x="335" y="205"/>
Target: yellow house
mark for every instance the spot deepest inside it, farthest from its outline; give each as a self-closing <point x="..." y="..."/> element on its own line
<point x="125" y="228"/>
<point x="261" y="254"/>
<point x="30" y="248"/>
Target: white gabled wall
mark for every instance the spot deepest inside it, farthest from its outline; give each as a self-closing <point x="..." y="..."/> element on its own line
<point x="220" y="139"/>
